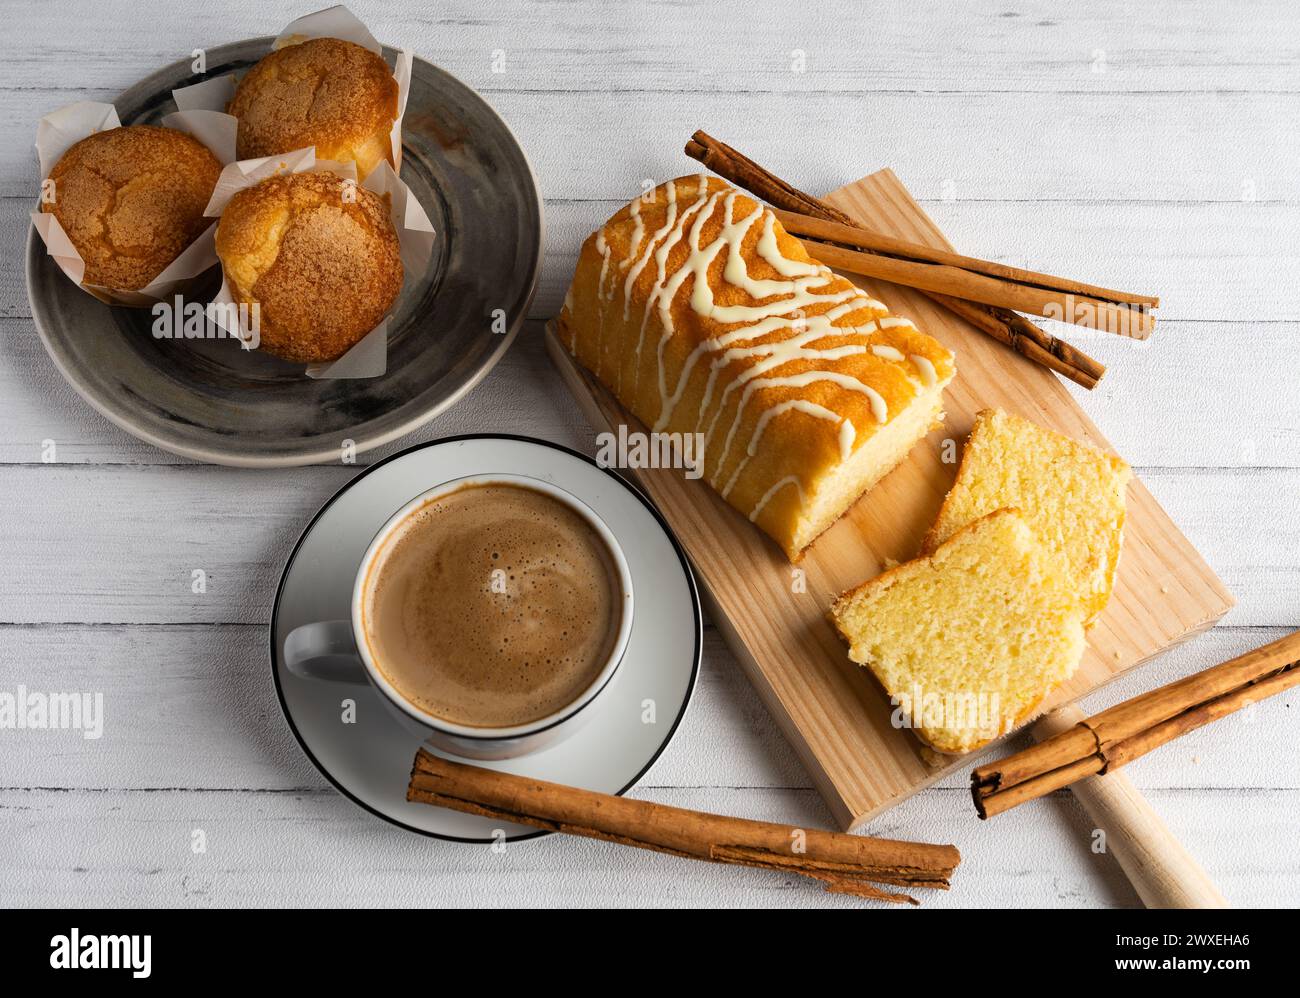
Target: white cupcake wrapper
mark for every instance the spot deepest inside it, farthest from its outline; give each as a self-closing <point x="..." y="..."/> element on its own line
<point x="368" y="358"/>
<point x="58" y="132"/>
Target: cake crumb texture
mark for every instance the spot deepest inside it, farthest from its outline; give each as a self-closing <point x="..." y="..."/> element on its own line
<point x="1072" y="495"/>
<point x="971" y="638"/>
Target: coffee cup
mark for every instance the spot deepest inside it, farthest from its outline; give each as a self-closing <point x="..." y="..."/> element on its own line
<point x="349" y="650"/>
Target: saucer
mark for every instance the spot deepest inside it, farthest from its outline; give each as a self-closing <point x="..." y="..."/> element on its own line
<point x="366" y="751"/>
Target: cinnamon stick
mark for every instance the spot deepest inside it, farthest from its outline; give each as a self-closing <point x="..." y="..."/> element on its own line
<point x="732" y="165"/>
<point x="1027" y="339"/>
<point x="846" y="864"/>
<point x="1001" y="324"/>
<point x="969" y="278"/>
<point x="1131" y="729"/>
<point x="1082" y="310"/>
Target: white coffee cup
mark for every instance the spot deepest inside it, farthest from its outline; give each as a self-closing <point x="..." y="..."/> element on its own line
<point x="330" y="650"/>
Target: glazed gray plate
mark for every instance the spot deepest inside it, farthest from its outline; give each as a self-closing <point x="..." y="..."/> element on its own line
<point x="210" y="400"/>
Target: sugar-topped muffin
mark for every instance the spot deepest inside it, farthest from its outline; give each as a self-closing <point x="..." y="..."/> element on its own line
<point x="131" y="199"/>
<point x="319" y="257"/>
<point x="325" y="92"/>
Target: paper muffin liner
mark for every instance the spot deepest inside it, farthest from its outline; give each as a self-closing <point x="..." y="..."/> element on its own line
<point x="214" y="95"/>
<point x="368" y="357"/>
<point x="59" y="131"/>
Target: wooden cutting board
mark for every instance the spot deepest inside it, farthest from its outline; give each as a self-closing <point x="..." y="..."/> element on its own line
<point x="773" y="614"/>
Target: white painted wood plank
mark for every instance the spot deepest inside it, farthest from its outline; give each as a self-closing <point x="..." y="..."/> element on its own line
<point x="1216" y="262"/>
<point x="1163" y="405"/>
<point x="304" y="849"/>
<point x="601" y="146"/>
<point x="1244" y="525"/>
<point x="118" y="545"/>
<point x="969" y="146"/>
<point x="1175" y="378"/>
<point x="193" y="707"/>
<point x="659" y="45"/>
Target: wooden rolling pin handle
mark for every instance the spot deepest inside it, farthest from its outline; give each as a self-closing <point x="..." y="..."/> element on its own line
<point x="1163" y="873"/>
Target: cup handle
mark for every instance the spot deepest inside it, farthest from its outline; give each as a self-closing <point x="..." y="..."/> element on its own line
<point x="324" y="650"/>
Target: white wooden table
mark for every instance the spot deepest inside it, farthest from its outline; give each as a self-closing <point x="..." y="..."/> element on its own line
<point x="1151" y="146"/>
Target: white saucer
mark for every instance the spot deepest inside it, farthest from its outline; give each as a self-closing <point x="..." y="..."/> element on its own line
<point x="370" y="760"/>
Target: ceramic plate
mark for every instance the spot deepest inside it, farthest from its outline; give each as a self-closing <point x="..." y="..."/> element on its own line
<point x="209" y="400"/>
<point x="370" y="759"/>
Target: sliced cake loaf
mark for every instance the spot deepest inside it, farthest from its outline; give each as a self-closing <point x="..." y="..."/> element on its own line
<point x="1071" y="494"/>
<point x="969" y="639"/>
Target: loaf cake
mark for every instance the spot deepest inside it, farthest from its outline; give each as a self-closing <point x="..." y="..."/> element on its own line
<point x="702" y="315"/>
<point x="1071" y="494"/>
<point x="969" y="639"/>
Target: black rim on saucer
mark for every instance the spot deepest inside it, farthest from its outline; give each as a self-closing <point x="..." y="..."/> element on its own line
<point x="696" y="657"/>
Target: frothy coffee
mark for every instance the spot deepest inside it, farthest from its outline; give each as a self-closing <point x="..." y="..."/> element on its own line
<point x="491" y="606"/>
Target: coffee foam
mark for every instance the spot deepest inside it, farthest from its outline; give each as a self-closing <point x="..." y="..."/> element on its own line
<point x="492" y="606"/>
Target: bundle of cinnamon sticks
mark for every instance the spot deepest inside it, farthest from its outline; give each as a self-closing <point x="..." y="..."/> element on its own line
<point x="1131" y="729"/>
<point x="987" y="294"/>
<point x="846" y="864"/>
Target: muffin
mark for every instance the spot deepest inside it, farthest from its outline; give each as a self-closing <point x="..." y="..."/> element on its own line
<point x="328" y="93"/>
<point x="317" y="255"/>
<point x="131" y="199"/>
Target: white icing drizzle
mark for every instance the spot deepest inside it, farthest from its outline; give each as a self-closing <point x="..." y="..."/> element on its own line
<point x="697" y="264"/>
<point x="634" y="245"/>
<point x="634" y="271"/>
<point x="573" y="331"/>
<point x="886" y="351"/>
<point x="878" y="409"/>
<point x="847" y="432"/>
<point x="603" y="248"/>
<point x="926" y="367"/>
<point x="797" y="292"/>
<point x="777" y="487"/>
<point x="634" y="211"/>
<point x="778" y="353"/>
<point x="771" y="252"/>
<point x="674" y="236"/>
<point x="848" y="435"/>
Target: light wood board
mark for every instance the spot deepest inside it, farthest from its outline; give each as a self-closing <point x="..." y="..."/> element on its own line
<point x="832" y="711"/>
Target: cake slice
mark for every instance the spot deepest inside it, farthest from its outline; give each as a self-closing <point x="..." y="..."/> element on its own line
<point x="1071" y="494"/>
<point x="703" y="316"/>
<point x="967" y="640"/>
